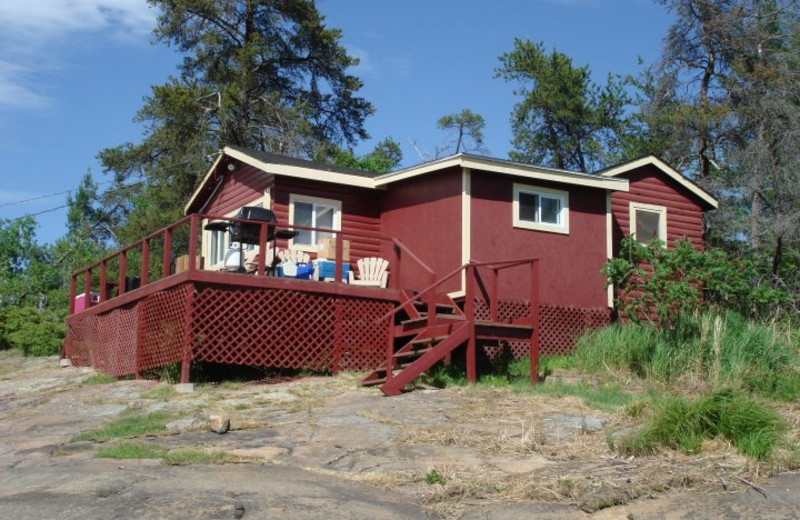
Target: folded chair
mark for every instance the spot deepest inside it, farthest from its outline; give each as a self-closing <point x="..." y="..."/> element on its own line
<point x="371" y="271"/>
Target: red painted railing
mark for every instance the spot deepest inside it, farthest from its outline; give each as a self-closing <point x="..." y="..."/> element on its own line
<point x="490" y="292"/>
<point x="97" y="275"/>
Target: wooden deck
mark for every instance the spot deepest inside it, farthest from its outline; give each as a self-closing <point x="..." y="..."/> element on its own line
<point x="233" y="318"/>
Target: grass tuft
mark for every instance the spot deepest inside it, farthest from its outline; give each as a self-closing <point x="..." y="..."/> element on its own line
<point x="176" y="457"/>
<point x="128" y="425"/>
<point x="755" y="429"/>
<point x="100" y="379"/>
<point x="160" y="391"/>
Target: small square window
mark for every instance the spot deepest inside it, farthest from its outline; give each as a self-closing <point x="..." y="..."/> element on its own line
<point x="648" y="222"/>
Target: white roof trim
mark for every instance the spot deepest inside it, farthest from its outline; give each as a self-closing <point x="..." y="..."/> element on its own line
<point x="526" y="171"/>
<point x="672" y="173"/>
<point x="203" y="182"/>
<point x="302" y="172"/>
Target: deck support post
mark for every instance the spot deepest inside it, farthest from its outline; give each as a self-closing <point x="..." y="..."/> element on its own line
<point x="186" y="354"/>
<point x="535" y="322"/>
<point x="469" y="311"/>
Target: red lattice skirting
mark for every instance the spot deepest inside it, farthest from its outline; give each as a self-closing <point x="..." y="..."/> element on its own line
<point x="561" y="324"/>
<point x="246" y="326"/>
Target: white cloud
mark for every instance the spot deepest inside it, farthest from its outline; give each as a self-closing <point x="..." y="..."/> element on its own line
<point x="38" y="32"/>
<point x="46" y="20"/>
<point x="365" y="66"/>
<point x="16" y="88"/>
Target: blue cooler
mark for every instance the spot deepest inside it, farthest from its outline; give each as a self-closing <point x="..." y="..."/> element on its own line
<point x="327" y="269"/>
<point x="299" y="272"/>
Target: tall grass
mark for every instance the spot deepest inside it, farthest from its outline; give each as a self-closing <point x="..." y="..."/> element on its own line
<point x="754" y="429"/>
<point x="721" y="349"/>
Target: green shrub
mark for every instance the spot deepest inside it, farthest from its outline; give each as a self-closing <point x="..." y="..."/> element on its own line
<point x="34" y="332"/>
<point x="755" y="429"/>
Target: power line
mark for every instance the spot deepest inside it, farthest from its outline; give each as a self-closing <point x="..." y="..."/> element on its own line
<point x="23" y="217"/>
<point x="47" y="196"/>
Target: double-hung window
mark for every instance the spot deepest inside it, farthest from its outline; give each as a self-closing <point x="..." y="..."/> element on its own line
<point x="542" y="209"/>
<point x="313" y="212"/>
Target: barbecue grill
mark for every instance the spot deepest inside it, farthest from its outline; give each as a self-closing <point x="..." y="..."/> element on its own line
<point x="247" y="233"/>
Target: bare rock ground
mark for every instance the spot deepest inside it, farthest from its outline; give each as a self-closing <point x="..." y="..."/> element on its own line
<point x="324" y="448"/>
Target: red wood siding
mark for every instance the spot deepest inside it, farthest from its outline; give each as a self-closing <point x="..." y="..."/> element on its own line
<point x="425" y="214"/>
<point x="570" y="263"/>
<point x="360" y="210"/>
<point x="650" y="185"/>
<point x="241" y="187"/>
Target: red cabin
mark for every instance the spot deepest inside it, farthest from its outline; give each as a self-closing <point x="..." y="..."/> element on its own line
<point x="465" y="256"/>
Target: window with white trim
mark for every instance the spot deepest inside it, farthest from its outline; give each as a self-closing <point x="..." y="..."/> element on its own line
<point x="313" y="212"/>
<point x="542" y="209"/>
<point x="648" y="222"/>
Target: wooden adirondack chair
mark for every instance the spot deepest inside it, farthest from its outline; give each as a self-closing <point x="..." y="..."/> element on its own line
<point x="294" y="255"/>
<point x="371" y="271"/>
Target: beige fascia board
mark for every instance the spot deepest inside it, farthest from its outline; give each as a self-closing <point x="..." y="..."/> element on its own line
<point x="414" y="171"/>
<point x="302" y="173"/>
<point x="535" y="173"/>
<point x="661" y="165"/>
<point x="204" y="181"/>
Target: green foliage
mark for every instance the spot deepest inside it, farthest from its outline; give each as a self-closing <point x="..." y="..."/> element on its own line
<point x="128" y="425"/>
<point x="434" y="477"/>
<point x="657" y="284"/>
<point x="261" y="74"/>
<point x="563" y="119"/>
<point x="34" y="332"/>
<point x="386" y="156"/>
<point x="753" y="428"/>
<point x="176" y="457"/>
<point x="100" y="379"/>
<point x="608" y="397"/>
<point x="468" y="129"/>
<point x="723" y="350"/>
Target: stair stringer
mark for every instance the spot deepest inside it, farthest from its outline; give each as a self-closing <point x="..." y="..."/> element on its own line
<point x="458" y="337"/>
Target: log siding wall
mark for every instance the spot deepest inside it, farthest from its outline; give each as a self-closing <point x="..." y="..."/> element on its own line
<point x="651" y="186"/>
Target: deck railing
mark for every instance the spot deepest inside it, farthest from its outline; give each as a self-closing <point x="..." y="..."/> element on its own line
<point x="489" y="291"/>
<point x="184" y="237"/>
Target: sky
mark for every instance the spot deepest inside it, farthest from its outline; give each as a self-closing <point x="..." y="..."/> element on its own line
<point x="73" y="74"/>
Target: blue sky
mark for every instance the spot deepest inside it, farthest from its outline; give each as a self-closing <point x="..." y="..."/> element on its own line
<point x="73" y="74"/>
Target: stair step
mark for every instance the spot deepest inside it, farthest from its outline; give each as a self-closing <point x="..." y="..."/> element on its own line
<point x="424" y="320"/>
<point x="440" y="307"/>
<point x="412" y="353"/>
<point x="425" y="341"/>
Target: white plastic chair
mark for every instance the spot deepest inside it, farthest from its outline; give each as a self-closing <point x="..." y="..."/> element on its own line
<point x="371" y="271"/>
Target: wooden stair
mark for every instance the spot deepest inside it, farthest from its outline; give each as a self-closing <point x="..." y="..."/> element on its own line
<point x="426" y="343"/>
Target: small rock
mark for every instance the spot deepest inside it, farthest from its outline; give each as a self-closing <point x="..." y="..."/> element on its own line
<point x="219" y="423"/>
<point x="559" y="426"/>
